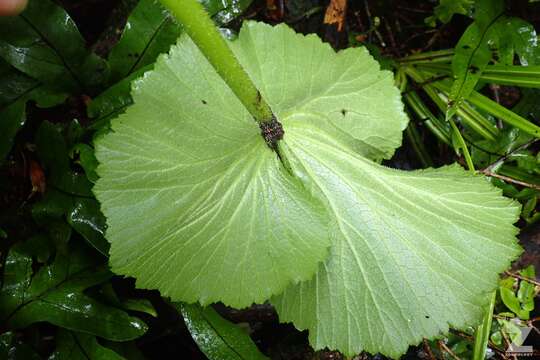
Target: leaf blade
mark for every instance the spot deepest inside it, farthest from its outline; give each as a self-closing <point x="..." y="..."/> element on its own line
<point x="216" y="337"/>
<point x="391" y="277"/>
<point x="227" y="223"/>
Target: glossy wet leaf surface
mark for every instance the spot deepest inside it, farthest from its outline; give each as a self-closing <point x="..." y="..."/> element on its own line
<point x="393" y="233"/>
<point x="44" y="43"/>
<point x="54" y="293"/>
<point x="216" y="337"/>
<point x="149" y="31"/>
<point x="493" y="35"/>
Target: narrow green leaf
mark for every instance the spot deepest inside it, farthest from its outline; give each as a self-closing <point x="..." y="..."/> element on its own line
<point x="506" y="115"/>
<point x="523" y="76"/>
<point x="481" y="336"/>
<point x="497" y="110"/>
<point x="217" y="338"/>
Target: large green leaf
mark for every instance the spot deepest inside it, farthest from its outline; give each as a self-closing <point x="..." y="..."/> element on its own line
<point x="217" y="338"/>
<point x="345" y="92"/>
<point x="227" y="223"/>
<point x="55" y="294"/>
<point x="412" y="251"/>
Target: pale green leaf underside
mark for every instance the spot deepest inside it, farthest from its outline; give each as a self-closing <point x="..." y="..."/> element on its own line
<point x="345" y="94"/>
<point x="412" y="251"/>
<point x="200" y="208"/>
<point x="197" y="205"/>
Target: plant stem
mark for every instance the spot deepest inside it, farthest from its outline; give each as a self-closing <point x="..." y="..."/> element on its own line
<point x="463" y="146"/>
<point x="200" y="28"/>
<point x="481" y="337"/>
<point x="510" y="180"/>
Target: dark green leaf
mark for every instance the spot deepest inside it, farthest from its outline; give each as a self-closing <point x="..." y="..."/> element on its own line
<point x="472" y="52"/>
<point x="52" y="205"/>
<point x="10" y="349"/>
<point x="16" y="89"/>
<point x="113" y="101"/>
<point x="82" y="213"/>
<point x="150" y="31"/>
<point x="447" y="9"/>
<point x="87" y="160"/>
<point x="53" y="153"/>
<point x="55" y="294"/>
<point x="13" y="84"/>
<point x="52" y="150"/>
<point x="44" y="43"/>
<point x="140" y="305"/>
<point x="217" y="338"/>
<point x="60" y="233"/>
<point x="5" y="343"/>
<point x="72" y="345"/>
<point x="528" y="106"/>
<point x="127" y="349"/>
<point x="485" y="152"/>
<point x="17" y="277"/>
<point x="515" y="36"/>
<point x="85" y="217"/>
<point x="38" y="246"/>
<point x="13" y="118"/>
